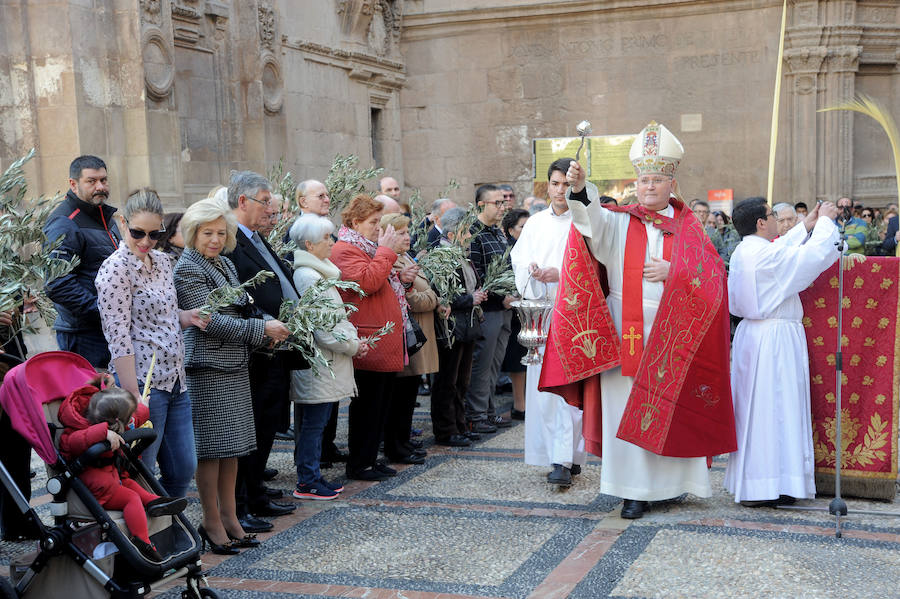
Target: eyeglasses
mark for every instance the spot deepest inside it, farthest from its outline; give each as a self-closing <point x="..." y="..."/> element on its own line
<point x="867" y="215"/>
<point x="267" y="203"/>
<point x="768" y="214"/>
<point x="154" y="235"/>
<point x="497" y="202"/>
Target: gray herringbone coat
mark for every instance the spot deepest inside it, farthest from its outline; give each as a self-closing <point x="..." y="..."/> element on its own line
<point x="216" y="360"/>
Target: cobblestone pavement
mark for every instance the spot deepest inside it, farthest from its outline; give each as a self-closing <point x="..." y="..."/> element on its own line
<point x="477" y="522"/>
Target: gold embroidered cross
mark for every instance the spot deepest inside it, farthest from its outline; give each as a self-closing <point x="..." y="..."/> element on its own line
<point x="631" y="337"/>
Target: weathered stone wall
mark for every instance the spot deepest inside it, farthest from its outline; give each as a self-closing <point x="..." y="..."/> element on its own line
<point x="484" y="81"/>
<point x="177" y="93"/>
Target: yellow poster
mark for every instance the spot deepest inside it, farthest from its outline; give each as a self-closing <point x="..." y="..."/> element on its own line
<point x="546" y="150"/>
<point x="604" y="156"/>
<point x="609" y="157"/>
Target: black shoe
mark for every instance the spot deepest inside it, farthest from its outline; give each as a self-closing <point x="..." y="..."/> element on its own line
<point x="269" y="474"/>
<point x="274" y="493"/>
<point x="335" y="456"/>
<point x="384" y="469"/>
<point x="482" y="426"/>
<point x="166" y="506"/>
<point x="254" y="525"/>
<point x="369" y="474"/>
<point x="575" y="469"/>
<point x="472" y="436"/>
<point x="148" y="550"/>
<point x="500" y="421"/>
<point x="763" y="503"/>
<point x="415" y="443"/>
<point x="287" y="435"/>
<point x="246" y="542"/>
<point x="424" y="390"/>
<point x="454" y="441"/>
<point x="633" y="509"/>
<point x="271" y="509"/>
<point x="408" y="459"/>
<point x="223" y="549"/>
<point x="517" y="414"/>
<point x="560" y="475"/>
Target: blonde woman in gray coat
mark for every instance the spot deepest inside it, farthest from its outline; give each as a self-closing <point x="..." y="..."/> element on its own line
<point x="315" y="394"/>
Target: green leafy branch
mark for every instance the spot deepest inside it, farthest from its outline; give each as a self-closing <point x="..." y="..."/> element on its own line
<point x="28" y="259"/>
<point x="345" y="180"/>
<point x="227" y="295"/>
<point x="315" y="312"/>
<point x="499" y="277"/>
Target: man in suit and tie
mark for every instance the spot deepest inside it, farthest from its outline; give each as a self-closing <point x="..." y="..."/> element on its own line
<point x="250" y="198"/>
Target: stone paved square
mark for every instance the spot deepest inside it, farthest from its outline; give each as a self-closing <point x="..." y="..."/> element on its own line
<point x="507" y="480"/>
<point x="429" y="549"/>
<point x="707" y="565"/>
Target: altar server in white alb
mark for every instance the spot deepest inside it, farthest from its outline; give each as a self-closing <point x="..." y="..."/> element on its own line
<point x="552" y="427"/>
<point x="774" y="461"/>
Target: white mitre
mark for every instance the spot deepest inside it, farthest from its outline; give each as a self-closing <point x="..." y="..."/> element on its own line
<point x="656" y="151"/>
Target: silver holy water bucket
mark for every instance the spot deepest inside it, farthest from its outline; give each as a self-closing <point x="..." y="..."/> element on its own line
<point x="534" y="315"/>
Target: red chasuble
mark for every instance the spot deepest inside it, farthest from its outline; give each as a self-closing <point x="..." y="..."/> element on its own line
<point x="680" y="403"/>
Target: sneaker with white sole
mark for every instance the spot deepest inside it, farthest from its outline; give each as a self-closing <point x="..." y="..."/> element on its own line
<point x="336" y="487"/>
<point x="316" y="491"/>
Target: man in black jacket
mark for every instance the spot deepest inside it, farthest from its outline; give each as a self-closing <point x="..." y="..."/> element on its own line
<point x="249" y="196"/>
<point x="85" y="223"/>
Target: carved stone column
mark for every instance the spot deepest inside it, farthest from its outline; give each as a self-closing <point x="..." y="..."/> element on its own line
<point x="802" y="82"/>
<point x="835" y="173"/>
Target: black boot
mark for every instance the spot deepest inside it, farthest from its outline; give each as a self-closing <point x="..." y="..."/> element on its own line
<point x="633" y="509"/>
<point x="561" y="476"/>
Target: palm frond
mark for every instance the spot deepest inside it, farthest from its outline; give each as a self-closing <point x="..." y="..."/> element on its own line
<point x="872" y="108"/>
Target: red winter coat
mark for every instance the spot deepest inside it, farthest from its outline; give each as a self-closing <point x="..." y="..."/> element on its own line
<point x="379" y="306"/>
<point x="80" y="434"/>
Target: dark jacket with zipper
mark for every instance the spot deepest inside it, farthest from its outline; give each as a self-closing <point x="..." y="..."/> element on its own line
<point x="89" y="233"/>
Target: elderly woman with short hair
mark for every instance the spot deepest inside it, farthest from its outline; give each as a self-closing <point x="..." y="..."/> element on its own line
<point x="216" y="362"/>
<point x="315" y="393"/>
<point x="365" y="255"/>
<point x="422" y="301"/>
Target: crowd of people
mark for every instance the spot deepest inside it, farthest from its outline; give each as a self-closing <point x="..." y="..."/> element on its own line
<point x="222" y="381"/>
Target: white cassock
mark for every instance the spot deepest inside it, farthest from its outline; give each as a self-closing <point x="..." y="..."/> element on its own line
<point x="770" y="364"/>
<point x="629" y="471"/>
<point x="552" y="427"/>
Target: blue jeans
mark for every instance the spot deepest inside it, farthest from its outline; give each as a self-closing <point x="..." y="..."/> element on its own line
<point x="174" y="446"/>
<point x="91" y="345"/>
<point x="309" y="423"/>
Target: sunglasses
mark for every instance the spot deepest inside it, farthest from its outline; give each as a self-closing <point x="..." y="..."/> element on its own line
<point x="154" y="235"/>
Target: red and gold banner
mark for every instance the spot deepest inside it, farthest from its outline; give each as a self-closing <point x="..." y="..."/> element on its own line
<point x="870" y="375"/>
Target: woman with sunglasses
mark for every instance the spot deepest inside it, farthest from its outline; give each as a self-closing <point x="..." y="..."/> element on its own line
<point x="140" y="316"/>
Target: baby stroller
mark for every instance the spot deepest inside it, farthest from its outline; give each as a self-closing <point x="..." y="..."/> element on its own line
<point x="87" y="552"/>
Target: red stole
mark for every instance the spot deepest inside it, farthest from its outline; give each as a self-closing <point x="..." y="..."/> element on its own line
<point x="633" y="288"/>
<point x="680" y="402"/>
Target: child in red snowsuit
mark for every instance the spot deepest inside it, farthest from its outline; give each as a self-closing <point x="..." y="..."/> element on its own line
<point x="91" y="416"/>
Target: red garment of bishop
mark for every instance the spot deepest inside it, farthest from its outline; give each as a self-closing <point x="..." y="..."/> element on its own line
<point x="680" y="402"/>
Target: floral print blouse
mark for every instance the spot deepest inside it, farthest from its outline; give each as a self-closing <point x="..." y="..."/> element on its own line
<point x="140" y="315"/>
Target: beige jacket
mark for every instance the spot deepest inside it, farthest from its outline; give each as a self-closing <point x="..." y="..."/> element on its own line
<point x="422" y="301"/>
<point x="306" y="385"/>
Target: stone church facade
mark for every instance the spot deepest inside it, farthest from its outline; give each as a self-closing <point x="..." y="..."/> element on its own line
<point x="177" y="93"/>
